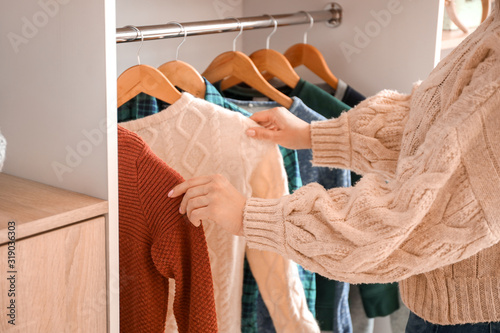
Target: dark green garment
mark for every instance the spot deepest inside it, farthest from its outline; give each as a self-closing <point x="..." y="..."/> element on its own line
<point x="325" y="303"/>
<point x="318" y="100"/>
<point x="379" y="299"/>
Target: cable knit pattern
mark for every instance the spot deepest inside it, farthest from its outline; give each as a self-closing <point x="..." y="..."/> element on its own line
<point x="427" y="211"/>
<point x="375" y="136"/>
<point x="157" y="243"/>
<point x="198" y="138"/>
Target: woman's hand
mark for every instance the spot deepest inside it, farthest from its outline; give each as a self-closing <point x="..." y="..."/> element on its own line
<point x="281" y="127"/>
<point x="212" y="198"/>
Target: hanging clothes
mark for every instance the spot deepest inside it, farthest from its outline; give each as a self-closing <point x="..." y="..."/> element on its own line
<point x="312" y="96"/>
<point x="329" y="178"/>
<point x="143" y="105"/>
<point x="251" y="298"/>
<point x="290" y="159"/>
<point x="332" y="306"/>
<point x="157" y="243"/>
<point x="139" y="107"/>
<point x="198" y="138"/>
<point x="378" y="300"/>
<point x="331" y="302"/>
<point x="344" y="93"/>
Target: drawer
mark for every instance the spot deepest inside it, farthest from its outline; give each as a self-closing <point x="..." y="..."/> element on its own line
<point x="59" y="281"/>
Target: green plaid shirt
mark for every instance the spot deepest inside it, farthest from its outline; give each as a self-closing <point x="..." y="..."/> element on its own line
<point x="139" y="107"/>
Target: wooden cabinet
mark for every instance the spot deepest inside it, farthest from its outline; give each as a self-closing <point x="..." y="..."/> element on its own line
<point x="53" y="276"/>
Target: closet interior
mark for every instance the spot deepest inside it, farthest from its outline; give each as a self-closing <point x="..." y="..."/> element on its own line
<point x="58" y="111"/>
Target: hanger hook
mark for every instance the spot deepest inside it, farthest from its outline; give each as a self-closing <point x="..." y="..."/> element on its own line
<point x="268" y="39"/>
<point x="239" y="34"/>
<point x="139" y="33"/>
<point x="183" y="40"/>
<point x="311" y="23"/>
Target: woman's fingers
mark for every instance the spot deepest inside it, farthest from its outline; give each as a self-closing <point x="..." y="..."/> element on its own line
<point x="266" y="116"/>
<point x="192" y="193"/>
<point x="211" y="198"/>
<point x="194" y="204"/>
<point x="198" y="215"/>
<point x="183" y="187"/>
<point x="281" y="127"/>
<point x="262" y="133"/>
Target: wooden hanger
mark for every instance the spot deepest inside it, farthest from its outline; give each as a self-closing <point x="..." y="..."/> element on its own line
<point x="239" y="65"/>
<point x="269" y="61"/>
<point x="182" y="74"/>
<point x="311" y="57"/>
<point x="146" y="79"/>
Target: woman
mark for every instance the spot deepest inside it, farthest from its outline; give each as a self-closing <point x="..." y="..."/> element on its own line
<point x="427" y="210"/>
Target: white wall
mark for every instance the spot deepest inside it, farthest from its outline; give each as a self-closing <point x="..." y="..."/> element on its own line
<point x="398" y="50"/>
<point x="52" y="89"/>
<point x="198" y="51"/>
<point x="395" y="53"/>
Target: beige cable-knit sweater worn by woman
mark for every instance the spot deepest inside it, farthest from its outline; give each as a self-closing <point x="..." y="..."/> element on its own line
<point x="427" y="211"/>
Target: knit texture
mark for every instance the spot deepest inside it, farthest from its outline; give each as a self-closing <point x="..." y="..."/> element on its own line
<point x="198" y="138"/>
<point x="427" y="210"/>
<point x="157" y="243"/>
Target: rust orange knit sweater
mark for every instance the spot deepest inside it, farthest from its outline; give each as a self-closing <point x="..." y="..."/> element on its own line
<point x="157" y="243"/>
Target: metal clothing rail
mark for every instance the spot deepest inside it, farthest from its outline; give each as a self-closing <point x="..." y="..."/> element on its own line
<point x="332" y="15"/>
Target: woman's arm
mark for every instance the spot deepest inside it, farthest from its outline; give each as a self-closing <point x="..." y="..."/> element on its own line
<point x="437" y="210"/>
<point x="365" y="139"/>
<point x="441" y="207"/>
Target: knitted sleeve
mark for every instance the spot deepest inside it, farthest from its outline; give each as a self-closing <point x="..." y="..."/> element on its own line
<point x="438" y="209"/>
<point x="179" y="250"/>
<point x="364" y="139"/>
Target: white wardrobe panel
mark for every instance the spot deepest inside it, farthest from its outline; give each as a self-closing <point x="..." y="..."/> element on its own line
<point x="198" y="51"/>
<point x="381" y="44"/>
<point x="53" y="93"/>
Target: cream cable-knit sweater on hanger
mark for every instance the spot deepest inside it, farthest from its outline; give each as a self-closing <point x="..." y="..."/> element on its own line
<point x="427" y="211"/>
<point x="196" y="138"/>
